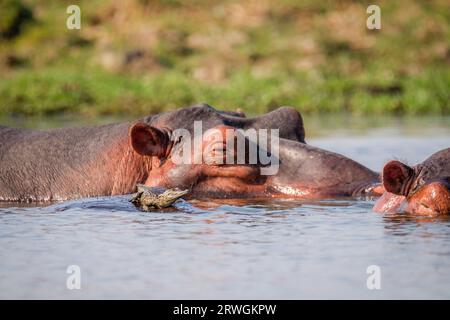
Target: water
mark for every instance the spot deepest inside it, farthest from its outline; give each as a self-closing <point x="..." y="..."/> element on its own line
<point x="283" y="249"/>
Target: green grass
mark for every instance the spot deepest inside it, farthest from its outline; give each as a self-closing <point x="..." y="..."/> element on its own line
<point x="98" y="92"/>
<point x="289" y="55"/>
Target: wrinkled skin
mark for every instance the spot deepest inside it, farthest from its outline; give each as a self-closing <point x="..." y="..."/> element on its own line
<point x="71" y="163"/>
<point x="305" y="172"/>
<point x="420" y="190"/>
<point x="320" y="174"/>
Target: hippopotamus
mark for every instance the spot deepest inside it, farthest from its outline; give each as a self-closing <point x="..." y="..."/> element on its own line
<point x="423" y="189"/>
<point x="68" y="163"/>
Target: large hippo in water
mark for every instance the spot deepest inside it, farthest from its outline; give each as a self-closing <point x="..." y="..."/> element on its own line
<point x="423" y="189"/>
<point x="71" y="163"/>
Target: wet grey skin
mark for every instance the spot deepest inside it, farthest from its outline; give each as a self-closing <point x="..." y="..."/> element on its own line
<point x="151" y="198"/>
<point x="322" y="172"/>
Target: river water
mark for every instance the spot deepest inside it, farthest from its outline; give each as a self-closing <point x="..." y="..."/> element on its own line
<point x="283" y="249"/>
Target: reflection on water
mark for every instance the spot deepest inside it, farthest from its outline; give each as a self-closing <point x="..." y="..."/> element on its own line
<point x="255" y="248"/>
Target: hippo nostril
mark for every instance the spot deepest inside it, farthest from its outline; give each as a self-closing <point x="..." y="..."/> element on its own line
<point x="424" y="205"/>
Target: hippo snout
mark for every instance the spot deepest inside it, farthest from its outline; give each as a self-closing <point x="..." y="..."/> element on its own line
<point x="431" y="199"/>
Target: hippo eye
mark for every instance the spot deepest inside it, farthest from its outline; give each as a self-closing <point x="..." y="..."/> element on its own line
<point x="177" y="148"/>
<point x="178" y="139"/>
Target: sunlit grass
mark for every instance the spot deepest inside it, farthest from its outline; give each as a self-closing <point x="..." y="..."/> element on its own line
<point x="311" y="55"/>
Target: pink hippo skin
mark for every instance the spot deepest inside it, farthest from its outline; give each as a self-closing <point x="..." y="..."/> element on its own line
<point x="420" y="190"/>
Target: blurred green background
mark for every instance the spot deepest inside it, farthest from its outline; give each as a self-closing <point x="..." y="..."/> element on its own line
<point x="140" y="56"/>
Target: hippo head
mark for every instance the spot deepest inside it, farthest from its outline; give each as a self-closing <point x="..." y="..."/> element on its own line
<point x="301" y="171"/>
<point x="157" y="139"/>
<point x="423" y="189"/>
<point x="200" y="163"/>
<point x="294" y="170"/>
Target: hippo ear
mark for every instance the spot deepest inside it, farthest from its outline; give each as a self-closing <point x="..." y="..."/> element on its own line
<point x="148" y="141"/>
<point x="395" y="177"/>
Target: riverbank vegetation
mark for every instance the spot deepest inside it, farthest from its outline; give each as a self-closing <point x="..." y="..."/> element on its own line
<point x="140" y="56"/>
